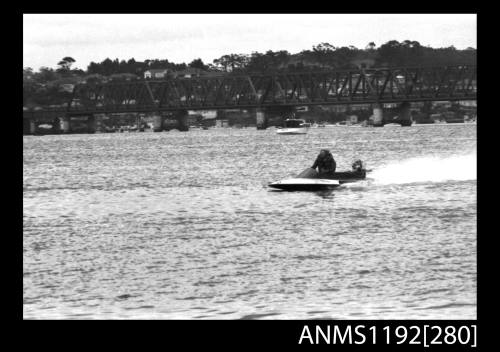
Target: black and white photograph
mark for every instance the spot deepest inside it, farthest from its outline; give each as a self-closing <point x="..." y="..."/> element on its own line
<point x="249" y="166"/>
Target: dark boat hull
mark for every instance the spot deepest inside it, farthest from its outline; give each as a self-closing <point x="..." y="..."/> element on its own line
<point x="345" y="176"/>
<point x="305" y="184"/>
<point x="311" y="188"/>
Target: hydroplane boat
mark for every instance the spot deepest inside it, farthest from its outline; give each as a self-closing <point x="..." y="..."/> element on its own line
<point x="311" y="180"/>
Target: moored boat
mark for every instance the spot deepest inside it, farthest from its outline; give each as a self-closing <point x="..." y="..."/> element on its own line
<point x="294" y="126"/>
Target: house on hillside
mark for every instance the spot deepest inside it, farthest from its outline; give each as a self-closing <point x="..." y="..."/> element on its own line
<point x="300" y="62"/>
<point x="363" y="63"/>
<point x="364" y="60"/>
<point x="155" y="73"/>
<point x="66" y="87"/>
<point x="123" y="77"/>
<point x="189" y="73"/>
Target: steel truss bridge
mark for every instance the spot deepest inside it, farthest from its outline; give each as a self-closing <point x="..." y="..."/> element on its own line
<point x="362" y="86"/>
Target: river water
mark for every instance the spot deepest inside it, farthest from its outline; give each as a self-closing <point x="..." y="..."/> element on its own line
<point x="182" y="225"/>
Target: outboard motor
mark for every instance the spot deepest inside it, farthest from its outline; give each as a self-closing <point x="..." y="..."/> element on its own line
<point x="358" y="166"/>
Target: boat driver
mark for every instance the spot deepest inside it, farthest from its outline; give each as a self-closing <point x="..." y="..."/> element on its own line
<point x="325" y="162"/>
<point x="357" y="166"/>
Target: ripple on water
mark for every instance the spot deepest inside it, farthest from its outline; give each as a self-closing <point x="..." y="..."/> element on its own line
<point x="182" y="225"/>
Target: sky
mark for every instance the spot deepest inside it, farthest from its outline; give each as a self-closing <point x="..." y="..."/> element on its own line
<point x="47" y="38"/>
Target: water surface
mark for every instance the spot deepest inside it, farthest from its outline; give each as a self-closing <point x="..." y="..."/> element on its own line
<point x="182" y="225"/>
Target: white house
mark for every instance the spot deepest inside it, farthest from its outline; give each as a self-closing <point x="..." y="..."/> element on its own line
<point x="155" y="73"/>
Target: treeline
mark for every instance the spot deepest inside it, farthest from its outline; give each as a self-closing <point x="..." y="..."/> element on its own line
<point x="48" y="82"/>
<point x="323" y="55"/>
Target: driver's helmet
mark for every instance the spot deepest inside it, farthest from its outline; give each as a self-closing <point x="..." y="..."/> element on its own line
<point x="325" y="152"/>
<point x="357" y="165"/>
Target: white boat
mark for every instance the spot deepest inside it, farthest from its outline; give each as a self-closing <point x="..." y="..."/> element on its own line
<point x="294" y="126"/>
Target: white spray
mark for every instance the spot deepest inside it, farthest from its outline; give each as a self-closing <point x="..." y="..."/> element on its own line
<point x="427" y="169"/>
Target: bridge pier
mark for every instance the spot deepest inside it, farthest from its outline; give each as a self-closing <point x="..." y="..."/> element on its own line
<point x="158" y="123"/>
<point x="220" y="114"/>
<point x="424" y="115"/>
<point x="32" y="127"/>
<point x="65" y="124"/>
<point x="99" y="121"/>
<point x="378" y="115"/>
<point x="260" y="119"/>
<point x="56" y="125"/>
<point x="405" y="114"/>
<point x="140" y="123"/>
<point x="91" y="124"/>
<point x="182" y="118"/>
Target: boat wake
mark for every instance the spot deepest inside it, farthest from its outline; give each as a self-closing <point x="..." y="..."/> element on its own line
<point x="427" y="169"/>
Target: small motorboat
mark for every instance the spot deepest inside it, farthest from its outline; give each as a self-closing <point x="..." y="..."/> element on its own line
<point x="311" y="180"/>
<point x="294" y="126"/>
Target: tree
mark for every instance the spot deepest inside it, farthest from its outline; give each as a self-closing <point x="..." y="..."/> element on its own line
<point x="27" y="74"/>
<point x="65" y="64"/>
<point x="46" y="74"/>
<point x="231" y="62"/>
<point x="179" y="67"/>
<point x="107" y="67"/>
<point x="134" y="66"/>
<point x="258" y="62"/>
<point x="323" y="53"/>
<point x="371" y="46"/>
<point x="198" y="63"/>
<point x="324" y="47"/>
<point x="94" y="68"/>
<point x="78" y="72"/>
<point x="406" y="53"/>
<point x="271" y="60"/>
<point x="390" y="53"/>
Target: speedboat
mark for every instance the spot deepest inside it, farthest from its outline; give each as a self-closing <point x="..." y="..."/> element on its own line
<point x="311" y="180"/>
<point x="294" y="126"/>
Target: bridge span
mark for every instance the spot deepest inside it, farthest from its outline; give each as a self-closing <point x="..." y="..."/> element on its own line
<point x="260" y="92"/>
